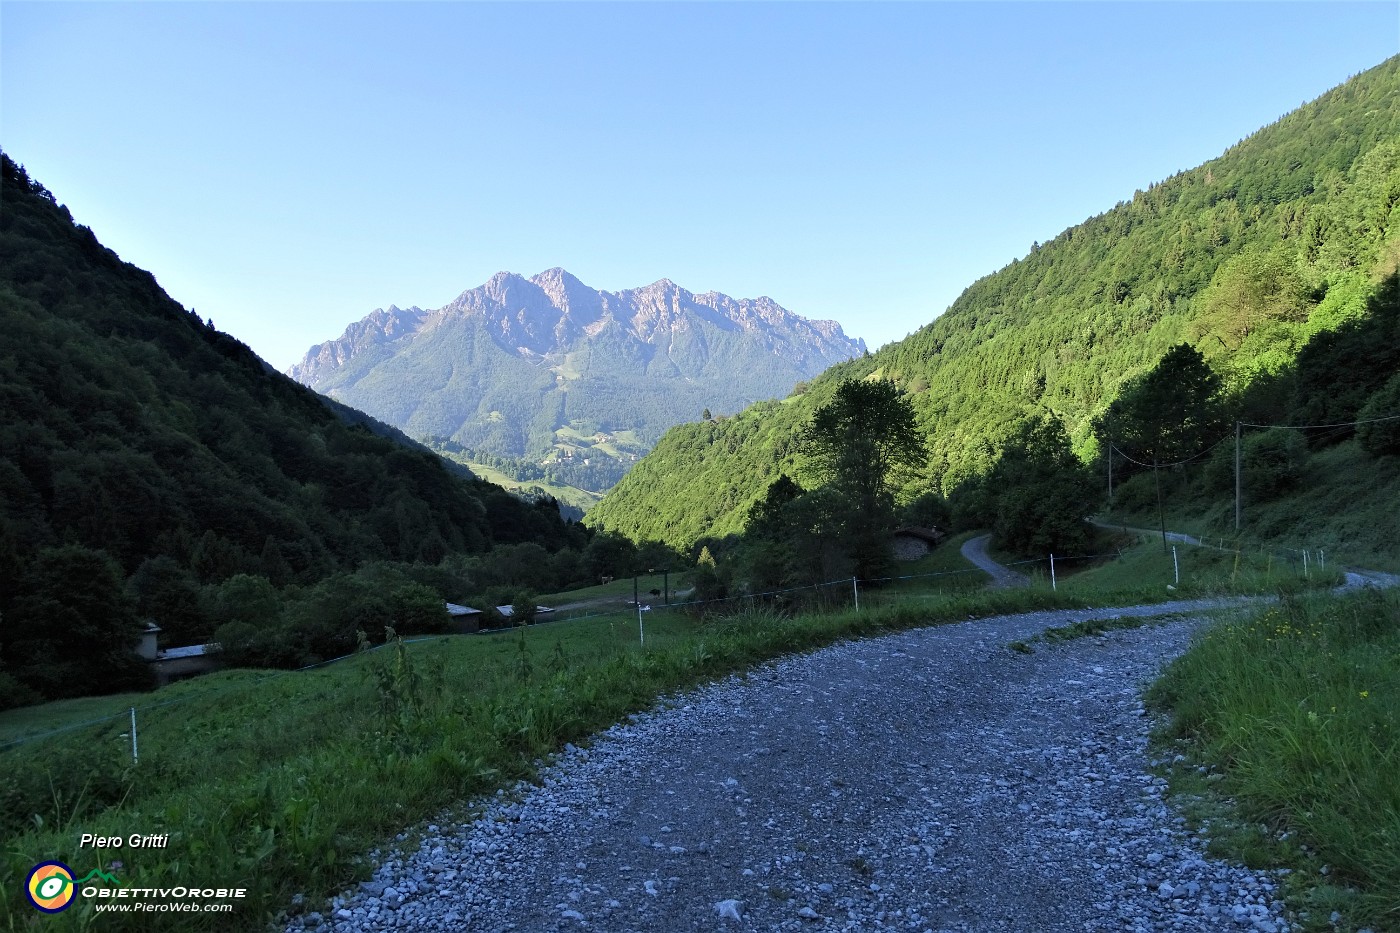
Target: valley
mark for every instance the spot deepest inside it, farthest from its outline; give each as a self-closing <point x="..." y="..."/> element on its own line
<point x="360" y="545"/>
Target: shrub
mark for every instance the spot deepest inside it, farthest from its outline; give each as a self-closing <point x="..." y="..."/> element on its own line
<point x="1273" y="461"/>
<point x="1381" y="438"/>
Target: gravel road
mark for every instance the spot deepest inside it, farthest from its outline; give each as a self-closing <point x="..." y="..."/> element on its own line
<point x="975" y="550"/>
<point x="932" y="780"/>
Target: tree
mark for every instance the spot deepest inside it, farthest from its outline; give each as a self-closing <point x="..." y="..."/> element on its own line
<point x="1170" y="413"/>
<point x="72" y="630"/>
<point x="1273" y="461"/>
<point x="1249" y="292"/>
<point x="710" y="582"/>
<point x="769" y="517"/>
<point x="1041" y="491"/>
<point x="861" y="442"/>
<point x="523" y="607"/>
<point x="167" y="594"/>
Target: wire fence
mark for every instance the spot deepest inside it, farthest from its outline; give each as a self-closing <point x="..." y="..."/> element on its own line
<point x="845" y="591"/>
<point x="147" y="708"/>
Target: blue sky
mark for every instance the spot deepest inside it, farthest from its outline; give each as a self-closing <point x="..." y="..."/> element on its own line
<point x="287" y="168"/>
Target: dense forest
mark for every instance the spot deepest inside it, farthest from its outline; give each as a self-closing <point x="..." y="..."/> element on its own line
<point x="154" y="468"/>
<point x="1246" y="260"/>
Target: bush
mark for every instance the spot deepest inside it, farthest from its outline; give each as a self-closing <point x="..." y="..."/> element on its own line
<point x="1273" y="461"/>
<point x="14" y="694"/>
<point x="1381" y="438"/>
<point x="522" y="608"/>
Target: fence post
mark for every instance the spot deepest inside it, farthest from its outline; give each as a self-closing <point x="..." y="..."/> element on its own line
<point x="1176" y="567"/>
<point x="1305" y="563"/>
<point x="133" y="734"/>
<point x="1052" y="573"/>
<point x="855" y="590"/>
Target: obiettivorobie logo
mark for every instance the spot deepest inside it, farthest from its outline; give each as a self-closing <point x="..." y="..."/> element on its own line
<point x="51" y="887"/>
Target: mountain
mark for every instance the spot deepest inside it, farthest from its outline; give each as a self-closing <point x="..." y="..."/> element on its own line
<point x="144" y="455"/>
<point x="548" y="378"/>
<point x="1246" y="258"/>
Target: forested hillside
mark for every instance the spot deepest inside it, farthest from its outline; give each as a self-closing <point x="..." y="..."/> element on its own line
<point x="1245" y="259"/>
<point x="152" y="467"/>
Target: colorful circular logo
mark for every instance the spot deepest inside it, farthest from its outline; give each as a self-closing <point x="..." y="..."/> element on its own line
<point x="50" y="887"/>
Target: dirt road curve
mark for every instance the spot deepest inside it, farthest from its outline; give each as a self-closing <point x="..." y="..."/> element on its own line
<point x="975" y="550"/>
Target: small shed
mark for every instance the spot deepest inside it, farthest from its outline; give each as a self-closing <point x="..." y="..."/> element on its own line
<point x="174" y="664"/>
<point x="463" y="620"/>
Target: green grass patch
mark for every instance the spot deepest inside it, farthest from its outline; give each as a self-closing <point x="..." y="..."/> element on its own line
<point x="941" y="571"/>
<point x="1297" y="709"/>
<point x="1147" y="568"/>
<point x="569" y="495"/>
<point x="1087" y="628"/>
<point x="622" y="588"/>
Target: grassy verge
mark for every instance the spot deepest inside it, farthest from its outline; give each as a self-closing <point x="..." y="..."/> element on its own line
<point x="1294" y="714"/>
<point x="1087" y="628"/>
<point x="1153" y="572"/>
<point x="1333" y="507"/>
<point x="279" y="783"/>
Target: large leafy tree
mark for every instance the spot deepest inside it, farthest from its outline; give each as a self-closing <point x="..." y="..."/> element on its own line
<point x="1172" y="412"/>
<point x="1042" y="492"/>
<point x="861" y="442"/>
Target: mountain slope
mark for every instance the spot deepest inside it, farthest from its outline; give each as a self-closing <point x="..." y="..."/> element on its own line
<point x="135" y="433"/>
<point x="551" y="371"/>
<point x="1245" y="257"/>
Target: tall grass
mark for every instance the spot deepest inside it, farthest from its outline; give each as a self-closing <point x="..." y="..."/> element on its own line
<point x="1298" y="706"/>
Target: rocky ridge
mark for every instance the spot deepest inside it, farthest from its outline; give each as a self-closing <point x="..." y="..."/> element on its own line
<point x="534" y="368"/>
<point x="547" y="313"/>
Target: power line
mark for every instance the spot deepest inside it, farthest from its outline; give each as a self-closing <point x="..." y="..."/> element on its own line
<point x="1173" y="463"/>
<point x="1304" y="427"/>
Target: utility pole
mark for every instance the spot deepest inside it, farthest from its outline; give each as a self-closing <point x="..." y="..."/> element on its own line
<point x="1161" y="515"/>
<point x="1110" y="476"/>
<point x="1237" y="476"/>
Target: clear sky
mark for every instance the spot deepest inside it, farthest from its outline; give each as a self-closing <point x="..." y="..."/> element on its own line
<point x="287" y="168"/>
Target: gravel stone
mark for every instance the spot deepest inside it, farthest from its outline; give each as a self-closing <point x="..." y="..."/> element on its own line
<point x="932" y="780"/>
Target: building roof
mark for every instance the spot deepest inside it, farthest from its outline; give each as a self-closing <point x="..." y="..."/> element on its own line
<point x="931" y="535"/>
<point x="190" y="651"/>
<point x="455" y="610"/>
